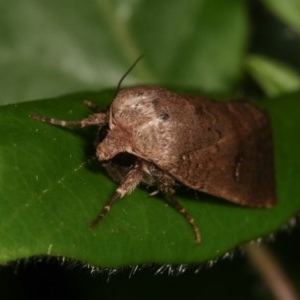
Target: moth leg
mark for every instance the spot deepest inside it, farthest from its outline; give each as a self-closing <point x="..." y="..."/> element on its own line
<point x="92" y="120"/>
<point x="165" y="184"/>
<point x="128" y="184"/>
<point x="92" y="105"/>
<point x="172" y="200"/>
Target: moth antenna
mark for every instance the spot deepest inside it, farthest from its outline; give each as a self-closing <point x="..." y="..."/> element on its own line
<point x="127" y="72"/>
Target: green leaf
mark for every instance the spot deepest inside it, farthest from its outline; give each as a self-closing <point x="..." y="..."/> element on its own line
<point x="50" y="193"/>
<point x="288" y="11"/>
<point x="49" y="48"/>
<point x="274" y="77"/>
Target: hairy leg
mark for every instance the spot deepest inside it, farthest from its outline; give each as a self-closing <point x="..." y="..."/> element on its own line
<point x="172" y="200"/>
<point x="98" y="119"/>
<point x="165" y="184"/>
<point x="128" y="184"/>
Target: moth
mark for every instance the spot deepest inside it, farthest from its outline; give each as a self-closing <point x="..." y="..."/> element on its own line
<point x="152" y="136"/>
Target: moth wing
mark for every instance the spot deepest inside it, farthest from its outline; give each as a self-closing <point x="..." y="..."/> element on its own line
<point x="239" y="167"/>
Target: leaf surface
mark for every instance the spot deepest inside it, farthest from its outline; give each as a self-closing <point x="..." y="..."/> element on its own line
<point x="50" y="193"/>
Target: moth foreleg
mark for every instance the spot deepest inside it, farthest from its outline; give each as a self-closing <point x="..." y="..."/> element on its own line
<point x="129" y="183"/>
<point x="92" y="120"/>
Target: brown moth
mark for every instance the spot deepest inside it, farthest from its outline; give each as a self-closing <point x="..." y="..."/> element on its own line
<point x="220" y="148"/>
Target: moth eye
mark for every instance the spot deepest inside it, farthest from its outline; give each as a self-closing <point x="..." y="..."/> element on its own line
<point x="101" y="134"/>
<point x="164" y="117"/>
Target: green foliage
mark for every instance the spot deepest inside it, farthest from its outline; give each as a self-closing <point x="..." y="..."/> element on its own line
<point x="274" y="77"/>
<point x="288" y="11"/>
<point x="50" y="48"/>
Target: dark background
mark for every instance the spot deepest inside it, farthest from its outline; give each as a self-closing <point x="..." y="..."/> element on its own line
<point x="231" y="278"/>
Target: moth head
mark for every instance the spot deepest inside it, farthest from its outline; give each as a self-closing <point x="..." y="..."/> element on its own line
<point x="134" y="123"/>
